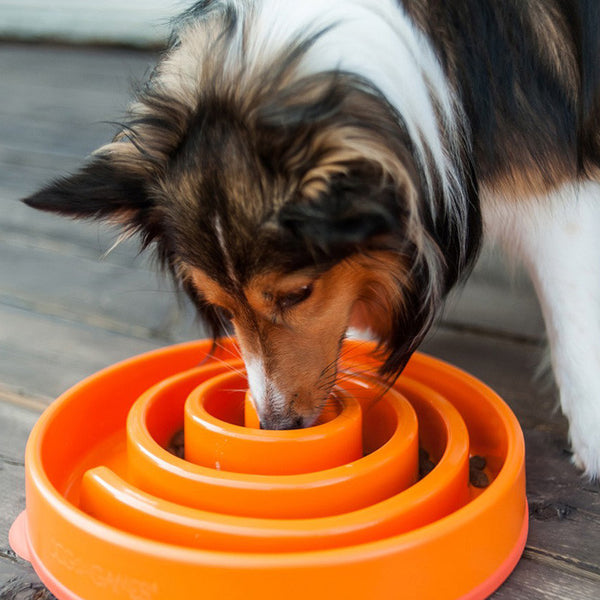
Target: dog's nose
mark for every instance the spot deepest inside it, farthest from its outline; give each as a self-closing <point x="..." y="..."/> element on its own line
<point x="282" y="422"/>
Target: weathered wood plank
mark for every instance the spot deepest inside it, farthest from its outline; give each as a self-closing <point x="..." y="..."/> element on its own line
<point x="70" y="68"/>
<point x="537" y="580"/>
<point x="17" y="579"/>
<point x="70" y="105"/>
<point x="498" y="298"/>
<point x="15" y="424"/>
<point x="564" y="507"/>
<point x="45" y="355"/>
<point x="23" y="226"/>
<point x="491" y="307"/>
<point x="49" y="280"/>
<point x="13" y="397"/>
<point x="19" y="582"/>
<point x="60" y="138"/>
<point x="62" y="109"/>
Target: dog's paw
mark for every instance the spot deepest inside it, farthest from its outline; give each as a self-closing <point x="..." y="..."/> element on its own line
<point x="584" y="433"/>
<point x="587" y="464"/>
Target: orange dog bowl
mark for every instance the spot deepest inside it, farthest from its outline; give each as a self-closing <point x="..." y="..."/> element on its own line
<point x="336" y="510"/>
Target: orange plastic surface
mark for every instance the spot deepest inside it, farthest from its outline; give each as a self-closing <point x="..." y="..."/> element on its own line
<point x="335" y="510"/>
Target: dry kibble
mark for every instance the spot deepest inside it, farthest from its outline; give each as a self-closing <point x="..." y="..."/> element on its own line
<point x="477" y="475"/>
<point x="478" y="478"/>
<point x="176" y="445"/>
<point x="477" y="462"/>
<point x="426" y="465"/>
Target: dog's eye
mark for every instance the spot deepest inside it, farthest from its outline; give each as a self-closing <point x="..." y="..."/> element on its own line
<point x="293" y="298"/>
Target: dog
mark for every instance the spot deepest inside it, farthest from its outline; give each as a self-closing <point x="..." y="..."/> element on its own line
<point x="304" y="167"/>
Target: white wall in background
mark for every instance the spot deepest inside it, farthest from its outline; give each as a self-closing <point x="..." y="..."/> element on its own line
<point x="132" y="21"/>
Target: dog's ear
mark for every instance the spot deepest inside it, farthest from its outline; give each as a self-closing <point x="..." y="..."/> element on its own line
<point x="106" y="188"/>
<point x="352" y="211"/>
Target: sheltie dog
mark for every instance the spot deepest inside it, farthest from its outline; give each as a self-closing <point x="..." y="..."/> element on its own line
<point x="306" y="166"/>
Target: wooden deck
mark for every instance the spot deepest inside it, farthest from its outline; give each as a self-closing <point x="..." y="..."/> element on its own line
<point x="66" y="311"/>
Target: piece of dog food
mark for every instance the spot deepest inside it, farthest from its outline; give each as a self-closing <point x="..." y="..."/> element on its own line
<point x="478" y="479"/>
<point x="477" y="462"/>
<point x="176" y="445"/>
<point x="477" y="475"/>
<point x="426" y="465"/>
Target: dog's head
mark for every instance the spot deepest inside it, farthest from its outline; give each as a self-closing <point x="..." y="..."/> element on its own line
<point x="288" y="206"/>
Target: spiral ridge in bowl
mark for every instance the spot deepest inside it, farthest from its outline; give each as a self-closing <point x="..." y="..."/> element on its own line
<point x="340" y="508"/>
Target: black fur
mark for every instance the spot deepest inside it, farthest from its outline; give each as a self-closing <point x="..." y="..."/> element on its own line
<point x="524" y="112"/>
<point x="99" y="191"/>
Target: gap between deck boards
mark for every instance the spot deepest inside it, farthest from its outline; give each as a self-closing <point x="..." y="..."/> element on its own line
<point x="34" y="403"/>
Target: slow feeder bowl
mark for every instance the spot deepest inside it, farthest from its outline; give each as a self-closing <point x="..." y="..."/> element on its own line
<point x="335" y="510"/>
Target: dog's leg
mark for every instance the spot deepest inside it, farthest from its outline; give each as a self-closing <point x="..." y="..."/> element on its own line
<point x="558" y="239"/>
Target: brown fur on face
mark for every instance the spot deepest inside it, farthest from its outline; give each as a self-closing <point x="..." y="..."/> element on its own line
<point x="294" y="350"/>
